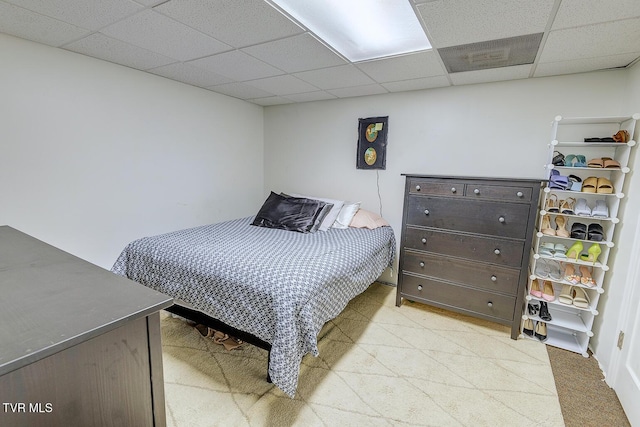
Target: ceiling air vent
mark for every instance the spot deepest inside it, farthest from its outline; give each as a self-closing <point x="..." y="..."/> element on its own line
<point x="491" y="54"/>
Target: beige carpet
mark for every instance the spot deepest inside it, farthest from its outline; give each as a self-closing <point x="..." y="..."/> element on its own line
<point x="379" y="365"/>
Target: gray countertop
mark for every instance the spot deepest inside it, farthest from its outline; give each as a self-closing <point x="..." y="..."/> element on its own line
<point x="51" y="300"/>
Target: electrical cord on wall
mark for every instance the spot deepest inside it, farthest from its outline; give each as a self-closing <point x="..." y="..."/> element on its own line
<point x="378" y="184"/>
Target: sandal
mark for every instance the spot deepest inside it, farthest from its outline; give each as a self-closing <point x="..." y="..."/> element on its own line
<point x="578" y="231"/>
<point x="551" y="204"/>
<point x="581" y="161"/>
<point x="586" y="278"/>
<point x="604" y="186"/>
<point x="558" y="159"/>
<point x="567" y="206"/>
<point x="581" y="208"/>
<point x="595" y="233"/>
<point x="575" y="183"/>
<point x="621" y="136"/>
<point x="600" y="210"/>
<point x="610" y="163"/>
<point x="547" y="291"/>
<point x="570" y="275"/>
<point x="547" y="249"/>
<point x="566" y="295"/>
<point x="596" y="163"/>
<point x="561" y="224"/>
<point x="545" y="227"/>
<point x="535" y="289"/>
<point x="580" y="298"/>
<point x="590" y="185"/>
<point x="554" y="271"/>
<point x="558" y="181"/>
<point x="560" y="251"/>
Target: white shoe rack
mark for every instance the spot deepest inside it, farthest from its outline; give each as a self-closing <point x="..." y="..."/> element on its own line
<point x="571" y="326"/>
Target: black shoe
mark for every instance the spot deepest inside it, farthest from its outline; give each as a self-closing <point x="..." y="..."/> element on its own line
<point x="527" y="328"/>
<point x="541" y="331"/>
<point x="533" y="309"/>
<point x="544" y="312"/>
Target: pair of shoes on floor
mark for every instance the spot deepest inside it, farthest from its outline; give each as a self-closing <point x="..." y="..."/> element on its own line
<point x="544" y="291"/>
<point x="574" y="295"/>
<point x="535" y="329"/>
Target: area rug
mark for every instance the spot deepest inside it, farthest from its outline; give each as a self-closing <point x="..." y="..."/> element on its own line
<point x="379" y="365"/>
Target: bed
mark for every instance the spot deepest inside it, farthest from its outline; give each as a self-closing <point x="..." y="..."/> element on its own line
<point x="277" y="287"/>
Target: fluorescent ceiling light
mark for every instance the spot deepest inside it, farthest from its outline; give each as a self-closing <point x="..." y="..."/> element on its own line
<point x="361" y="29"/>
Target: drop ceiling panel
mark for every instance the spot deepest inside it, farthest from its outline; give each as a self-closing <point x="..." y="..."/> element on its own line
<point x="157" y="33"/>
<point x="358" y="91"/>
<point x="297" y="53"/>
<point x="600" y="40"/>
<point x="89" y="14"/>
<point x="238" y="23"/>
<point x="456" y="22"/>
<point x="237" y="65"/>
<point x="417" y="84"/>
<point x="335" y="77"/>
<point x="272" y="100"/>
<point x="24" y="23"/>
<point x="100" y="46"/>
<point x="241" y="90"/>
<point x="282" y="85"/>
<point x="405" y="67"/>
<point x="189" y="74"/>
<point x="574" y="13"/>
<point x="310" y="96"/>
<point x="495" y="75"/>
<point x="584" y="65"/>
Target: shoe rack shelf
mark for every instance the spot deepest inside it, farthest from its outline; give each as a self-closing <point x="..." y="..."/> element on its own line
<point x="559" y="247"/>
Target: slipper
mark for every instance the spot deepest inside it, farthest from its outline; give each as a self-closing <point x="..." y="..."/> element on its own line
<point x="581" y="161"/>
<point x="605" y="139"/>
<point x="558" y="181"/>
<point x="547" y="291"/>
<point x="578" y="231"/>
<point x="580" y="298"/>
<point x="600" y="210"/>
<point x="595" y="163"/>
<point x="610" y="163"/>
<point x="581" y="208"/>
<point x="604" y="186"/>
<point x="542" y="270"/>
<point x="555" y="271"/>
<point x="595" y="232"/>
<point x="547" y="249"/>
<point x="535" y="289"/>
<point x="558" y="159"/>
<point x="568" y="161"/>
<point x="590" y="184"/>
<point x="575" y="183"/>
<point x="566" y="295"/>
<point x="560" y="251"/>
<point x="621" y="136"/>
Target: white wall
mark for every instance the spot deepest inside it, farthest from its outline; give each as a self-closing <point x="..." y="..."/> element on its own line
<point x="94" y="155"/>
<point x="497" y="129"/>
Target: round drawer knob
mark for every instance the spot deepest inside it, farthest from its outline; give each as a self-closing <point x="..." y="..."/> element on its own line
<point x="489" y="304"/>
<point x="419" y="287"/>
<point x="453" y="189"/>
<point x="494" y="278"/>
<point x="520" y="194"/>
<point x="417" y="188"/>
<point x="476" y="191"/>
<point x="426" y="211"/>
<point x="424" y="240"/>
<point x="501" y="219"/>
<point x="421" y="264"/>
<point x="496" y="251"/>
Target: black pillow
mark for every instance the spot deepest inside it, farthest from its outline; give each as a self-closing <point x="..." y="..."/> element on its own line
<point x="290" y="213"/>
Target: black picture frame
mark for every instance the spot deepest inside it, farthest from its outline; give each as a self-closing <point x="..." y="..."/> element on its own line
<point x="372" y="143"/>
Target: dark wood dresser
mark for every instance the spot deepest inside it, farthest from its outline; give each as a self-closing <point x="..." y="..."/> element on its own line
<point x="79" y="345"/>
<point x="465" y="244"/>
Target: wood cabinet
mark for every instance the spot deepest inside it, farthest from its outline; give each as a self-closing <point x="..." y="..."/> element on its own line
<point x="79" y="345"/>
<point x="465" y="244"/>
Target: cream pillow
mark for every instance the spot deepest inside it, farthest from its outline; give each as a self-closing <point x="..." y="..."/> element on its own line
<point x="330" y="218"/>
<point x="346" y="214"/>
<point x="366" y="219"/>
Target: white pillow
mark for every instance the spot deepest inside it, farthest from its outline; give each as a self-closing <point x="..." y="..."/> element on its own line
<point x="346" y="214"/>
<point x="366" y="219"/>
<point x="333" y="213"/>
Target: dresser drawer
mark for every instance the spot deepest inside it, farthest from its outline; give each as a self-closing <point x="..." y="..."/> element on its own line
<point x="457" y="297"/>
<point x="436" y="188"/>
<point x="478" y="248"/>
<point x="489" y="277"/>
<point x="472" y="216"/>
<point x="499" y="192"/>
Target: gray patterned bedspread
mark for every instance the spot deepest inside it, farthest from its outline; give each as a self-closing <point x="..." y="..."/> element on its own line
<point x="278" y="285"/>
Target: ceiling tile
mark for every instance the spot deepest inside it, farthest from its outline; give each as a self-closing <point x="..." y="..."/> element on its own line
<point x="237" y="65"/>
<point x="611" y="38"/>
<point x="89" y="14"/>
<point x="492" y="75"/>
<point x="272" y="100"/>
<point x="282" y="85"/>
<point x="455" y="22"/>
<point x="358" y="91"/>
<point x="417" y="84"/>
<point x="149" y="3"/>
<point x="335" y="77"/>
<point x="32" y="26"/>
<point x="100" y="46"/>
<point x="189" y="74"/>
<point x="230" y="20"/>
<point x="240" y="90"/>
<point x="297" y="53"/>
<point x="575" y="13"/>
<point x="585" y="65"/>
<point x="157" y="33"/>
<point x="310" y="96"/>
<point x="405" y="67"/>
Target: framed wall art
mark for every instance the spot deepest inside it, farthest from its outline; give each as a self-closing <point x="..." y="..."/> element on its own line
<point x="372" y="143"/>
